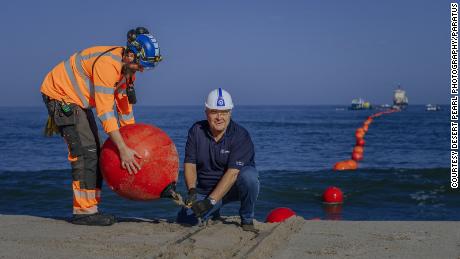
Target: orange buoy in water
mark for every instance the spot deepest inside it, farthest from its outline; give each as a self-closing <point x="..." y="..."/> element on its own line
<point x="357" y="156"/>
<point x="358" y="149"/>
<point x="279" y="215"/>
<point x="340" y="166"/>
<point x="159" y="163"/>
<point x="390" y="111"/>
<point x="332" y="195"/>
<point x="345" y="165"/>
<point x="352" y="165"/>
<point x="360" y="142"/>
<point x="359" y="135"/>
<point x="360" y="130"/>
<point x="365" y="128"/>
<point x="378" y="114"/>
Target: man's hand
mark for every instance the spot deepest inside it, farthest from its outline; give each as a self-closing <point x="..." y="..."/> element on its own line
<point x="191" y="197"/>
<point x="128" y="160"/>
<point x="127" y="155"/>
<point x="201" y="207"/>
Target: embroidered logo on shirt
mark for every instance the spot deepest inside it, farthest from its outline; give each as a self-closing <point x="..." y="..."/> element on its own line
<point x="239" y="163"/>
<point x="223" y="151"/>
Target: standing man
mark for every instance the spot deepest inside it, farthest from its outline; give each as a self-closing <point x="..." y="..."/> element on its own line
<point x="219" y="165"/>
<point x="96" y="77"/>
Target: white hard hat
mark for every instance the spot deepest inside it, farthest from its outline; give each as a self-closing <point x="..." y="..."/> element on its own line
<point x="219" y="99"/>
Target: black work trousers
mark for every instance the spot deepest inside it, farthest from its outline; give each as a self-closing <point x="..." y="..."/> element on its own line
<point x="79" y="131"/>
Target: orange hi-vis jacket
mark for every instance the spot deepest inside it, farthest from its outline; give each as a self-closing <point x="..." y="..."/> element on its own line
<point x="76" y="81"/>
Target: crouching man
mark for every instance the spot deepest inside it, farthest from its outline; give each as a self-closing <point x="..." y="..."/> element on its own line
<point x="219" y="165"/>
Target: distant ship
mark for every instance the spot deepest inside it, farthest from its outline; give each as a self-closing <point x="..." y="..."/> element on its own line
<point x="400" y="100"/>
<point x="359" y="104"/>
<point x="432" y="107"/>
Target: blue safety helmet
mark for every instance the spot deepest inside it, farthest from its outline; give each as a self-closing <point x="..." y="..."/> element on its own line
<point x="146" y="49"/>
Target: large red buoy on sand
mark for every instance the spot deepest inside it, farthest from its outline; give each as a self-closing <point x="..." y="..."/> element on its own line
<point x="332" y="195"/>
<point x="279" y="215"/>
<point x="159" y="163"/>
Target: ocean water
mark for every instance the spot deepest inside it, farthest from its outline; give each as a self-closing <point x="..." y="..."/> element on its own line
<point x="404" y="175"/>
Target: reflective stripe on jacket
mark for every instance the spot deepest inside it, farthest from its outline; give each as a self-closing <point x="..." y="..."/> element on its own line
<point x="76" y="81"/>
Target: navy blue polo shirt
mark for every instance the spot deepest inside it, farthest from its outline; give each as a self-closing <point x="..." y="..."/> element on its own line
<point x="234" y="150"/>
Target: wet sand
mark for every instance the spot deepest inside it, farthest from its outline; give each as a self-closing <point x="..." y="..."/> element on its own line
<point x="36" y="237"/>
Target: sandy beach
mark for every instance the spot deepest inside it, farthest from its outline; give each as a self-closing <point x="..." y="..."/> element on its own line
<point x="36" y="237"/>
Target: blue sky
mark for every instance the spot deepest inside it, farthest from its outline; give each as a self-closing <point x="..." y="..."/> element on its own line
<point x="262" y="52"/>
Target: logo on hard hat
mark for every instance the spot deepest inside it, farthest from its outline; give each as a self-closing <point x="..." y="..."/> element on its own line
<point x="220" y="98"/>
<point x="220" y="101"/>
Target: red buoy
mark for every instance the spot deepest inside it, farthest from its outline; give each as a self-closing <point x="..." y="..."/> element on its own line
<point x="378" y="114"/>
<point x="365" y="127"/>
<point x="360" y="142"/>
<point x="359" y="134"/>
<point x="352" y="165"/>
<point x="159" y="163"/>
<point x="279" y="215"/>
<point x="345" y="165"/>
<point x="358" y="149"/>
<point x="340" y="166"/>
<point x="332" y="195"/>
<point x="357" y="156"/>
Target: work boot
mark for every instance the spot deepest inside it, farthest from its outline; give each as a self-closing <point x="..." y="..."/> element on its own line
<point x="96" y="219"/>
<point x="249" y="227"/>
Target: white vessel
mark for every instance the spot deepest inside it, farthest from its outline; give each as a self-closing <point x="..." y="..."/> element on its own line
<point x="432" y="107"/>
<point x="359" y="104"/>
<point x="400" y="100"/>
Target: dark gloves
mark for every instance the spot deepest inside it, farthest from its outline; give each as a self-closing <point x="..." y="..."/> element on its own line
<point x="191" y="197"/>
<point x="201" y="207"/>
<point x="198" y="207"/>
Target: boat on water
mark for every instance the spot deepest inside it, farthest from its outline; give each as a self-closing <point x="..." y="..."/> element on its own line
<point x="432" y="107"/>
<point x="359" y="104"/>
<point x="400" y="100"/>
